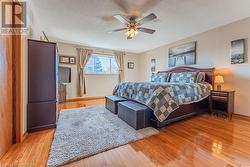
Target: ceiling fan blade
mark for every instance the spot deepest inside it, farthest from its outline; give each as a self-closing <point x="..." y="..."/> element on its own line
<point x="121" y="19"/>
<point x="148" y="18"/>
<point x="120" y="29"/>
<point x="146" y="30"/>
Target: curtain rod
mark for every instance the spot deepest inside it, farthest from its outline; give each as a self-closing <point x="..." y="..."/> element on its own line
<point x="103" y="53"/>
<point x="99" y="50"/>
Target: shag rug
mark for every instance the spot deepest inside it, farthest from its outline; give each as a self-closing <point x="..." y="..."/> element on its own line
<point x="83" y="132"/>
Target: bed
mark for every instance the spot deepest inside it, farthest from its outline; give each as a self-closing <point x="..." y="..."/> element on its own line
<point x="178" y="101"/>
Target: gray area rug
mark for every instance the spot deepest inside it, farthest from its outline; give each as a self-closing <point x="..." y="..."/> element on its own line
<point x="83" y="132"/>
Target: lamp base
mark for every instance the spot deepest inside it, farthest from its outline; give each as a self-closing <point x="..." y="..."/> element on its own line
<point x="219" y="87"/>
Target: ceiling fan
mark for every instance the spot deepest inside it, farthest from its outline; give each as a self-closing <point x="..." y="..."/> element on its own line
<point x="134" y="25"/>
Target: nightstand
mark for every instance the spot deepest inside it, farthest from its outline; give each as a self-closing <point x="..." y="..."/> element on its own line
<point x="222" y="102"/>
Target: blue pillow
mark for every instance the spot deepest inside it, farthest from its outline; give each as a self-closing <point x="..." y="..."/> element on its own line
<point x="184" y="77"/>
<point x="160" y="77"/>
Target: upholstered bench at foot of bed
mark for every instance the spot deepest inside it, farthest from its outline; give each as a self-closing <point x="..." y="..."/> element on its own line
<point x="111" y="103"/>
<point x="134" y="114"/>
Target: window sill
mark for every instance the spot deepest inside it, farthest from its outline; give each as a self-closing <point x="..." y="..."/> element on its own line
<point x="101" y="74"/>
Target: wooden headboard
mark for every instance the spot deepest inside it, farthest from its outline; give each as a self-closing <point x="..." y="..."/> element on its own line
<point x="208" y="71"/>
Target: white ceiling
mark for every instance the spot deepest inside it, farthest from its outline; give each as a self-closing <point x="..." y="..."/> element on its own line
<point x="88" y="22"/>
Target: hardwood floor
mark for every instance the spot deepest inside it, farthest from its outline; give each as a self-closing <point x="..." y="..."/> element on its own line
<point x="199" y="141"/>
<point x="77" y="104"/>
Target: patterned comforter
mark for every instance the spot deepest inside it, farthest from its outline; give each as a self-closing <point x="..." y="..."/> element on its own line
<point x="163" y="98"/>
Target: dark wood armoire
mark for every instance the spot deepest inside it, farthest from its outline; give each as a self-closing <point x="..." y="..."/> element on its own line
<point x="42" y="85"/>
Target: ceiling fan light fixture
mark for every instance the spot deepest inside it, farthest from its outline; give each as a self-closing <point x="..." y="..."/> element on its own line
<point x="133" y="25"/>
<point x="131" y="33"/>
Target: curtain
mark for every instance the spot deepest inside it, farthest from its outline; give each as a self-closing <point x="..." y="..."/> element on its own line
<point x="83" y="57"/>
<point x="119" y="56"/>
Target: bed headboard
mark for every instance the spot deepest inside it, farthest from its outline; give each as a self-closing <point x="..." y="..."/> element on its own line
<point x="208" y="71"/>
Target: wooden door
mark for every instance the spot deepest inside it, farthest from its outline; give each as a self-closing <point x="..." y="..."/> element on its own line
<point x="6" y="94"/>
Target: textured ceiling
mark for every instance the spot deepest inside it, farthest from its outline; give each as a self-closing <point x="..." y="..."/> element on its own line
<point x="88" y="22"/>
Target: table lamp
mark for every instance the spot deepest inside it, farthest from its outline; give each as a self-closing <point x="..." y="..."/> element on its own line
<point x="219" y="80"/>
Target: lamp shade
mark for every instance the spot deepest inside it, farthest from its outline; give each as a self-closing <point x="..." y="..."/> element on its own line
<point x="219" y="79"/>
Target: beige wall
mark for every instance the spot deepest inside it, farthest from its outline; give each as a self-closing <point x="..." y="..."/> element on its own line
<point x="97" y="85"/>
<point x="213" y="50"/>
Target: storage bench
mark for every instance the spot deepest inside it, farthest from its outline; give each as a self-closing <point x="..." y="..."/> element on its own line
<point x="111" y="103"/>
<point x="134" y="114"/>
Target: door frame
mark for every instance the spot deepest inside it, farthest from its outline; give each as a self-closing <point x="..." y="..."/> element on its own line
<point x="17" y="88"/>
<point x="14" y="46"/>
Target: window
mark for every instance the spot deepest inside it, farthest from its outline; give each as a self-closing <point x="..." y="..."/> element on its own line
<point x="101" y="64"/>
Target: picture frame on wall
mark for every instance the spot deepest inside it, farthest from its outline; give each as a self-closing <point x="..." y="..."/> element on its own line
<point x="238" y="51"/>
<point x="153" y="65"/>
<point x="64" y="59"/>
<point x="67" y="60"/>
<point x="72" y="60"/>
<point x="182" y="55"/>
<point x="131" y="65"/>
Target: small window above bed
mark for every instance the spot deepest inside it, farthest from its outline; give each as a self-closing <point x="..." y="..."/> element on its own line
<point x="101" y="64"/>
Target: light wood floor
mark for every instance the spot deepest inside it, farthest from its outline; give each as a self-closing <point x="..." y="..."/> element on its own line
<point x="202" y="141"/>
